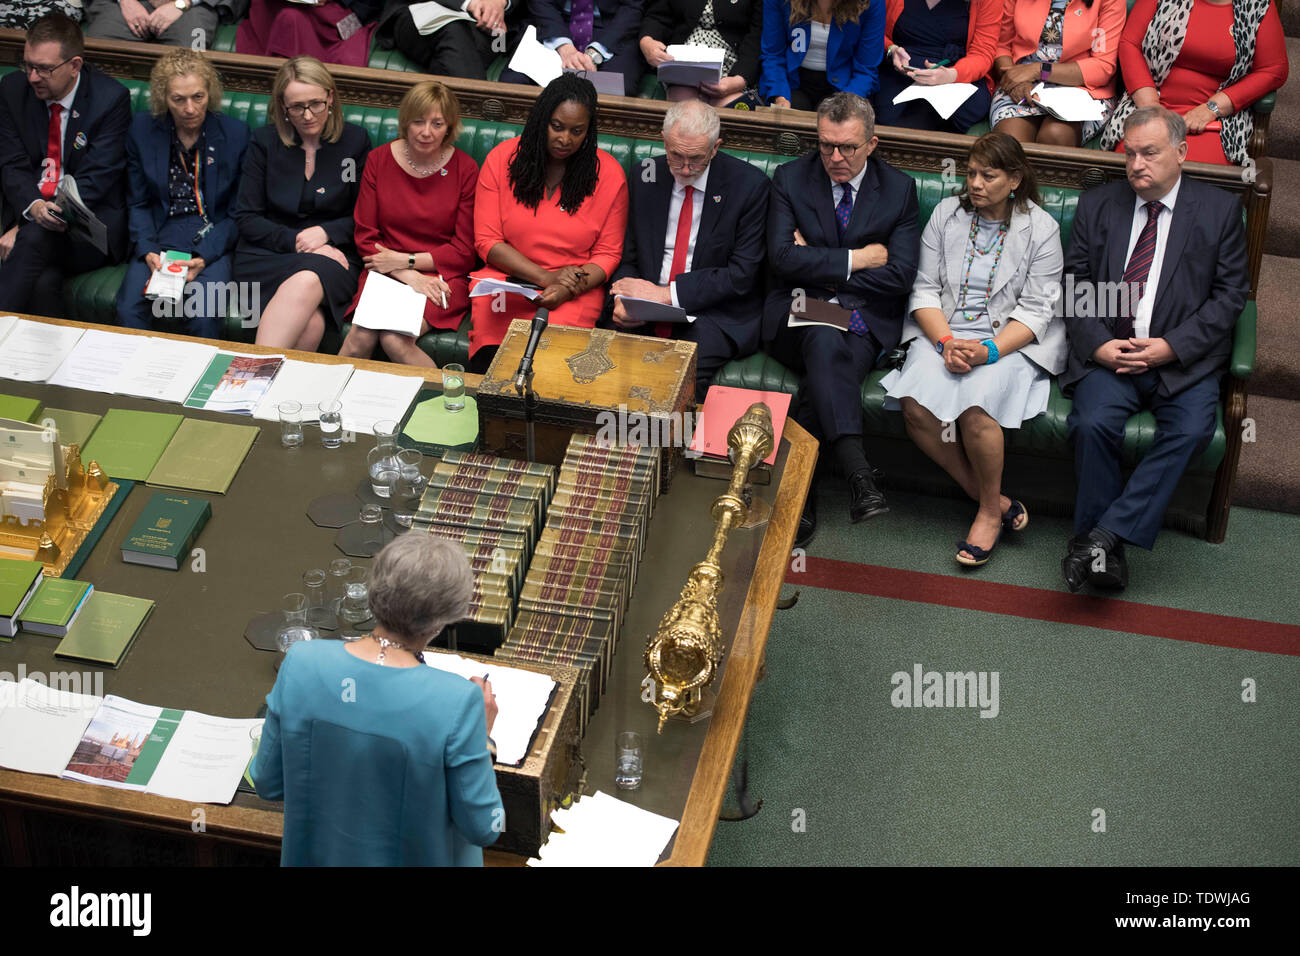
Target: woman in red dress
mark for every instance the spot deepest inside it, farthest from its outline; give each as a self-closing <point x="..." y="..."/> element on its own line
<point x="419" y="227"/>
<point x="551" y="211"/>
<point x="1208" y="61"/>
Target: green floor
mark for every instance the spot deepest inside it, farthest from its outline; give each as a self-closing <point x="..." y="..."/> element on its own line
<point x="1150" y="730"/>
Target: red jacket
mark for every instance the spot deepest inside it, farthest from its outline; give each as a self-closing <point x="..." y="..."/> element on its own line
<point x="981" y="37"/>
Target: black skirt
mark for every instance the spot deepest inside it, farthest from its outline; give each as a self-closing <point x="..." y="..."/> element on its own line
<point x="270" y="269"/>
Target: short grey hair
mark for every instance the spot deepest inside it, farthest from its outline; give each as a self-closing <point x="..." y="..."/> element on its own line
<point x="842" y="107"/>
<point x="418" y="585"/>
<point x="1176" y="125"/>
<point x="693" y="118"/>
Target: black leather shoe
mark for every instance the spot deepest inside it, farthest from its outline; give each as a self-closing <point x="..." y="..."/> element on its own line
<point x="1115" y="576"/>
<point x="1080" y="564"/>
<point x="1077" y="562"/>
<point x="865" y="501"/>
<point x="807" y="521"/>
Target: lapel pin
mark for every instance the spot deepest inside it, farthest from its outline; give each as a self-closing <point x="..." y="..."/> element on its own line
<point x="320" y="191"/>
<point x="76" y="115"/>
<point x="717" y="199"/>
<point x="80" y="141"/>
<point x="211" y="160"/>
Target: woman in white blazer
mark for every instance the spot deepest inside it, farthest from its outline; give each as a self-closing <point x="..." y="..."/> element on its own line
<point x="984" y="335"/>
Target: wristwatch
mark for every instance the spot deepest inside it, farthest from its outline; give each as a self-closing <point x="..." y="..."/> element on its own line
<point x="596" y="56"/>
<point x="1045" y="74"/>
<point x="183" y="5"/>
<point x="1212" y="106"/>
<point x="410" y="258"/>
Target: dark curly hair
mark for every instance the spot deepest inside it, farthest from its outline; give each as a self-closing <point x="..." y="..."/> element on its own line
<point x="527" y="169"/>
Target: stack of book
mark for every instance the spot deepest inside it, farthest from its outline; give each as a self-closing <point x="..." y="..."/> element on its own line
<point x="723" y="406"/>
<point x="495" y="508"/>
<point x="575" y="597"/>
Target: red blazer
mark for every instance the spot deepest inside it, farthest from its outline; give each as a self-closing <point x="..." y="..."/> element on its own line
<point x="981" y="37"/>
<point x="1090" y="37"/>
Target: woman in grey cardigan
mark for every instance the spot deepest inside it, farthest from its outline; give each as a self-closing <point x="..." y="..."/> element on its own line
<point x="985" y="337"/>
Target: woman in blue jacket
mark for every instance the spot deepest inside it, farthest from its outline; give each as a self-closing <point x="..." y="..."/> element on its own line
<point x="812" y="48"/>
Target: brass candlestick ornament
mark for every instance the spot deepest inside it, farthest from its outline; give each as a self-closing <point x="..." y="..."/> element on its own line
<point x="684" y="655"/>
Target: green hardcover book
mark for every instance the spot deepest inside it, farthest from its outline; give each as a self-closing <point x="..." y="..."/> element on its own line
<point x="75" y="428"/>
<point x="18" y="582"/>
<point x="161" y="537"/>
<point x="127" y="444"/>
<point x="105" y="629"/>
<point x="204" y="456"/>
<point x="19" y="409"/>
<point x="55" y="606"/>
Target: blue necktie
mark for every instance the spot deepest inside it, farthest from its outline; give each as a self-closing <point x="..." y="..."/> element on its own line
<point x="844" y="209"/>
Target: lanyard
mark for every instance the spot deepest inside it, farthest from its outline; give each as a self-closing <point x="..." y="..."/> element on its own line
<point x="194" y="177"/>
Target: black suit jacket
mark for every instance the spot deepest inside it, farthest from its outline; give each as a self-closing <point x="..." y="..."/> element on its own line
<point x="723" y="282"/>
<point x="616" y="28"/>
<point x="740" y="22"/>
<point x="885" y="211"/>
<point x="94" y="148"/>
<point x="1203" y="286"/>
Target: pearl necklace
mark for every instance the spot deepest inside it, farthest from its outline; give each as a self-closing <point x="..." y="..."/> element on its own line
<point x="440" y="167"/>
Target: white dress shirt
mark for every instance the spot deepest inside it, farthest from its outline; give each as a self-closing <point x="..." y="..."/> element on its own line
<point x="837" y="193"/>
<point x="670" y="236"/>
<point x="66" y="103"/>
<point x="1142" y="313"/>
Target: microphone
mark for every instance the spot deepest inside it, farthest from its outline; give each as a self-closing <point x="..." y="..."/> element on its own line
<point x="540" y="321"/>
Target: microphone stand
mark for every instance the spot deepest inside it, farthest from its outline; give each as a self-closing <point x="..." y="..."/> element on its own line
<point x="524" y="382"/>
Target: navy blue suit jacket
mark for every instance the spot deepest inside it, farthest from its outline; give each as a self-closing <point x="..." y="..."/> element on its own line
<point x="885" y="211"/>
<point x="1203" y="286"/>
<point x="94" y="148"/>
<point x="616" y="26"/>
<point x="148" y="151"/>
<point x="723" y="281"/>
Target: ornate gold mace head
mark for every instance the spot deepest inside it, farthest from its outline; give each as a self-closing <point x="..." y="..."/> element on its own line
<point x="683" y="657"/>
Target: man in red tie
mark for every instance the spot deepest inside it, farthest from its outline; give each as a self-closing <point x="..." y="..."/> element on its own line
<point x="695" y="239"/>
<point x="1162" y="260"/>
<point x="58" y="118"/>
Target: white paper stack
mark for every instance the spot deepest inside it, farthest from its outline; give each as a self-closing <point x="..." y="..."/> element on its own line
<point x="387" y="304"/>
<point x="7" y="322"/>
<point x="307" y="383"/>
<point x="534" y="60"/>
<point x="371" y="397"/>
<point x="431" y="17"/>
<point x="40" y="727"/>
<point x="691" y="65"/>
<point x="97" y="361"/>
<point x="601" y="830"/>
<point x="522" y="699"/>
<point x="1070" y="104"/>
<point x="486" y="285"/>
<point x="164" y="369"/>
<point x="34" y="350"/>
<point x="946" y="98"/>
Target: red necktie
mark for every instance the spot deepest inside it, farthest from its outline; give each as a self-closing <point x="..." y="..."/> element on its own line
<point x="1138" y="268"/>
<point x="53" y="154"/>
<point x="665" y="329"/>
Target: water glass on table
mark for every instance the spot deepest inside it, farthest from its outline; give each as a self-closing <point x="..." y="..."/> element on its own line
<point x="628" y="761"/>
<point x="381" y="465"/>
<point x="331" y="424"/>
<point x="290" y="424"/>
<point x="453" y="387"/>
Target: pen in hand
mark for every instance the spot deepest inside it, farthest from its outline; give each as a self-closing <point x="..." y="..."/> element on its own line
<point x="443" y="294"/>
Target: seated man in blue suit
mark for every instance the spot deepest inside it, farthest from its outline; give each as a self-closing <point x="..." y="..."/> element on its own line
<point x="593" y="35"/>
<point x="695" y="239"/>
<point x="842" y="226"/>
<point x="183" y="163"/>
<point x="58" y="118"/>
<point x="1175" y="250"/>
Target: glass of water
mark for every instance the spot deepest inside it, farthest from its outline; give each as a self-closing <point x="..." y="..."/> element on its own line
<point x="381" y="463"/>
<point x="290" y="424"/>
<point x="331" y="424"/>
<point x="295" y="627"/>
<point x="453" y="387"/>
<point x="385" y="432"/>
<point x="628" y="761"/>
<point x="407" y="486"/>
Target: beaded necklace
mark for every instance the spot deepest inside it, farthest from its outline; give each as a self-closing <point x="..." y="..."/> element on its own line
<point x="972" y="248"/>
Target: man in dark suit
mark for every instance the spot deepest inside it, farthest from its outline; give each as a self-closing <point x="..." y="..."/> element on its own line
<point x="1175" y="252"/>
<point x="695" y="239"/>
<point x="57" y="118"/>
<point x="842" y="225"/>
<point x="593" y="35"/>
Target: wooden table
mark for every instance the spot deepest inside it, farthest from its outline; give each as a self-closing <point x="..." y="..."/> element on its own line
<point x="191" y="653"/>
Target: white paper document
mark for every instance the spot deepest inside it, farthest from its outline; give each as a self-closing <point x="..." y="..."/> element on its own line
<point x="601" y="830"/>
<point x="204" y="759"/>
<point x="522" y="700"/>
<point x="489" y="286"/>
<point x="431" y="17"/>
<point x="647" y="310"/>
<point x="1070" y="104"/>
<point x="691" y="65"/>
<point x="97" y="361"/>
<point x="371" y="397"/>
<point x="165" y="369"/>
<point x="307" y="383"/>
<point x="40" y="727"/>
<point x="387" y="304"/>
<point x="6" y="323"/>
<point x="33" y="351"/>
<point x="112" y="744"/>
<point x="534" y="60"/>
<point x="946" y="99"/>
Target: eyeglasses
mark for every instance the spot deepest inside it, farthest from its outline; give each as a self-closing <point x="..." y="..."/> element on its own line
<point x="678" y="161"/>
<point x="315" y="108"/>
<point x="44" y="72"/>
<point x="846" y="149"/>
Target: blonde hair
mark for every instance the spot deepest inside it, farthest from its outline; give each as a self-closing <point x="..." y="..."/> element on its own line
<point x="175" y="64"/>
<point x="305" y="69"/>
<point x="423" y="97"/>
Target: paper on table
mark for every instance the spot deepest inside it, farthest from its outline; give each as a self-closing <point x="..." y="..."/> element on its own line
<point x="647" y="310"/>
<point x="40" y="727"/>
<point x="389" y="304"/>
<point x="601" y="830"/>
<point x="534" y="60"/>
<point x="6" y="323"/>
<point x="122" y="745"/>
<point x="946" y="99"/>
<point x="165" y="369"/>
<point x="96" y="363"/>
<point x="204" y="759"/>
<point x="371" y="397"/>
<point x="431" y="17"/>
<point x="308" y="383"/>
<point x="34" y="350"/>
<point x="234" y="382"/>
<point x="1071" y="104"/>
<point x="489" y="286"/>
<point x="522" y="699"/>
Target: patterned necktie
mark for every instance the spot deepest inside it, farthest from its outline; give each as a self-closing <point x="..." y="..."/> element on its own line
<point x="582" y="19"/>
<point x="53" y="154"/>
<point x="844" y="209"/>
<point x="1137" y="270"/>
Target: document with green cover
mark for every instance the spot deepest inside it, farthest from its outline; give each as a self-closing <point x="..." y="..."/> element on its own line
<point x="105" y="629"/>
<point x="204" y="456"/>
<point x="127" y="444"/>
<point x="55" y="606"/>
<point x="75" y="428"/>
<point x="19" y="409"/>
<point x="18" y="582"/>
<point x="161" y="537"/>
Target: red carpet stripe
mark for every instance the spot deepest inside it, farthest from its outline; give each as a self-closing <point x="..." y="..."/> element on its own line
<point x="1060" y="606"/>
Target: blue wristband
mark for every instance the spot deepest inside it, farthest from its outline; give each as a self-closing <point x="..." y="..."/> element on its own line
<point x="993" y="351"/>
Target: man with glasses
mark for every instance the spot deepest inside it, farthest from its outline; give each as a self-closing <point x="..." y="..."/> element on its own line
<point x="695" y="236"/>
<point x="57" y="118"/>
<point x="842" y="226"/>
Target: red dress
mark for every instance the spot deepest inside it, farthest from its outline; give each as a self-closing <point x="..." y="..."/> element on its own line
<point x="548" y="236"/>
<point x="434" y="214"/>
<point x="1203" y="63"/>
<point x="282" y="28"/>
